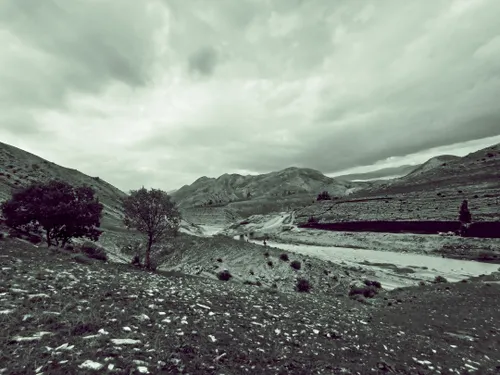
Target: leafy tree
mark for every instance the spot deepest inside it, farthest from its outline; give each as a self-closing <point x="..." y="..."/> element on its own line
<point x="464" y="217"/>
<point x="323" y="196"/>
<point x="61" y="210"/>
<point x="153" y="213"/>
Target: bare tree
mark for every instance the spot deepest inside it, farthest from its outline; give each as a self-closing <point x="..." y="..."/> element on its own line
<point x="153" y="213"/>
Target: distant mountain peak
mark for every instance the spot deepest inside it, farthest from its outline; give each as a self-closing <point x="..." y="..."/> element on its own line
<point x="232" y="187"/>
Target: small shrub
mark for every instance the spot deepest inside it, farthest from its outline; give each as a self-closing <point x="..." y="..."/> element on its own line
<point x="2" y="235"/>
<point x="224" y="275"/>
<point x="368" y="291"/>
<point x="421" y="283"/>
<point x="440" y="279"/>
<point x="296" y="265"/>
<point x="284" y="257"/>
<point x="266" y="254"/>
<point x="219" y="260"/>
<point x="374" y="283"/>
<point x="312" y="220"/>
<point x="323" y="196"/>
<point x="270" y="263"/>
<point x="94" y="251"/>
<point x="303" y="286"/>
<point x="251" y="272"/>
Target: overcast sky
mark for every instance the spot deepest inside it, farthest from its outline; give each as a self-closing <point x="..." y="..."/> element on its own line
<point x="161" y="92"/>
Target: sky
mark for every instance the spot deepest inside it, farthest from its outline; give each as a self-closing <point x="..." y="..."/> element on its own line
<point x="158" y="93"/>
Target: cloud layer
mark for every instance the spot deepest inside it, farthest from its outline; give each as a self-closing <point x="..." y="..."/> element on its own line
<point x="159" y="93"/>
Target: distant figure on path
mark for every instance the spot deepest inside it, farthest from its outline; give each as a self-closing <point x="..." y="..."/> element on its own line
<point x="265" y="243"/>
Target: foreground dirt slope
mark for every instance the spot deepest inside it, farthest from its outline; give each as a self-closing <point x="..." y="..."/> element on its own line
<point x="251" y="263"/>
<point x="61" y="317"/>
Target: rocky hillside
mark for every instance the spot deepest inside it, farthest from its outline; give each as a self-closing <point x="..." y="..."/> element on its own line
<point x="19" y="168"/>
<point x="290" y="182"/>
<point x="434" y="191"/>
<point x="430" y="164"/>
<point x="210" y="215"/>
<point x="478" y="169"/>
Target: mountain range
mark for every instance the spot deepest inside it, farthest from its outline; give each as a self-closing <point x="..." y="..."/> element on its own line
<point x="480" y="168"/>
<point x="250" y="194"/>
<point x="379" y="174"/>
<point x="287" y="183"/>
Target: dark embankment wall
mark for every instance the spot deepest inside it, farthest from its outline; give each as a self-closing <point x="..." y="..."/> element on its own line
<point x="485" y="229"/>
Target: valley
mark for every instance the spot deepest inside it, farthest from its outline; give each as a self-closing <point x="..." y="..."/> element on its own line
<point x="437" y="296"/>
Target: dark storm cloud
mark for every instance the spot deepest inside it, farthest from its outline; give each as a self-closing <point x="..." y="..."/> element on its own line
<point x="329" y="85"/>
<point x="203" y="61"/>
<point x="53" y="49"/>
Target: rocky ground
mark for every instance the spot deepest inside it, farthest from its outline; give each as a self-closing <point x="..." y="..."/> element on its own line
<point x="58" y="316"/>
<point x="257" y="265"/>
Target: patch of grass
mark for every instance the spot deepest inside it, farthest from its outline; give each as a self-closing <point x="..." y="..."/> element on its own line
<point x="296" y="265"/>
<point x="70" y="248"/>
<point x="83" y="259"/>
